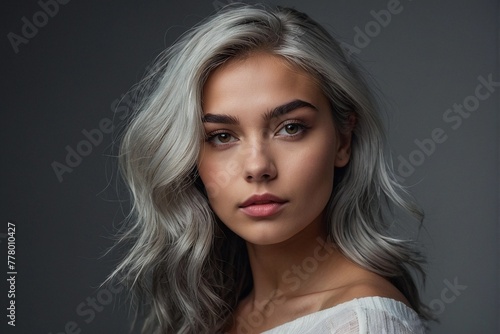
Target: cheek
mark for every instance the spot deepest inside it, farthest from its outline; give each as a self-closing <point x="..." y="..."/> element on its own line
<point x="311" y="171"/>
<point x="315" y="161"/>
<point x="317" y="170"/>
<point x="217" y="175"/>
<point x="208" y="171"/>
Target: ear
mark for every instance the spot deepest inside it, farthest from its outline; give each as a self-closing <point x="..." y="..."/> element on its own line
<point x="343" y="153"/>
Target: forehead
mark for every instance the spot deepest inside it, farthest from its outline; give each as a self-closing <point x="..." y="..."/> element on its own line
<point x="261" y="80"/>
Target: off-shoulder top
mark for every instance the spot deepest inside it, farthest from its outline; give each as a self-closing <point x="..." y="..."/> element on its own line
<point x="374" y="315"/>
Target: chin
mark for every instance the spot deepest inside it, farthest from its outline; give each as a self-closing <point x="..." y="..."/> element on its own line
<point x="267" y="236"/>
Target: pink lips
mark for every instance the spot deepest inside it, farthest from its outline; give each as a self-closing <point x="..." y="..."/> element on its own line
<point x="262" y="205"/>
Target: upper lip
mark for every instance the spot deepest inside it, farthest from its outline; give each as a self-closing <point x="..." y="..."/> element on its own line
<point x="261" y="199"/>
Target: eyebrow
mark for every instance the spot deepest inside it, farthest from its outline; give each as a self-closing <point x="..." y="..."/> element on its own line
<point x="275" y="112"/>
<point x="288" y="107"/>
<point x="219" y="118"/>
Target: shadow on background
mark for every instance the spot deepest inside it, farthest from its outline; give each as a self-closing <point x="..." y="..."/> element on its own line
<point x="66" y="69"/>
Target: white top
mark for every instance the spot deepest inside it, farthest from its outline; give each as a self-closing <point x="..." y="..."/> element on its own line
<point x="375" y="315"/>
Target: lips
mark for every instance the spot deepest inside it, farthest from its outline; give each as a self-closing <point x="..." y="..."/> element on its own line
<point x="262" y="205"/>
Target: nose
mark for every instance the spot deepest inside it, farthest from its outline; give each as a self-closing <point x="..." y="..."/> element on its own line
<point x="259" y="163"/>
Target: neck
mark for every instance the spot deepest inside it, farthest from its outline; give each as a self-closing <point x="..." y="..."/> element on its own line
<point x="296" y="267"/>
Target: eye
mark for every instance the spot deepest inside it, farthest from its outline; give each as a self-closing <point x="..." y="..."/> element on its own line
<point x="220" y="138"/>
<point x="291" y="129"/>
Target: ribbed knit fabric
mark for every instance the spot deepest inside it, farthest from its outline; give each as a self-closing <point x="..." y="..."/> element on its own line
<point x="374" y="315"/>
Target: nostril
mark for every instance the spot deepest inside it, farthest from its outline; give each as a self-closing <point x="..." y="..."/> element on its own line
<point x="263" y="177"/>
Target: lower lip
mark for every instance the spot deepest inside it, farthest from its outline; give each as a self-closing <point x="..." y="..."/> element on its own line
<point x="263" y="210"/>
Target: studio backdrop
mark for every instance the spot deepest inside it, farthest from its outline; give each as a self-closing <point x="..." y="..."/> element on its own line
<point x="67" y="68"/>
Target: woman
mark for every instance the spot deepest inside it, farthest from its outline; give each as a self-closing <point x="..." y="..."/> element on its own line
<point x="259" y="185"/>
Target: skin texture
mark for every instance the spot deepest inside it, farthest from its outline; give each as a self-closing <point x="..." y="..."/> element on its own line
<point x="292" y="156"/>
<point x="260" y="156"/>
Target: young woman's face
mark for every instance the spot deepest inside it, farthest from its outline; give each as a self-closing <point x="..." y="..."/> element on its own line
<point x="271" y="148"/>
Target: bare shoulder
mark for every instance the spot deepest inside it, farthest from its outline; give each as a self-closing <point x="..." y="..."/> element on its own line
<point x="364" y="283"/>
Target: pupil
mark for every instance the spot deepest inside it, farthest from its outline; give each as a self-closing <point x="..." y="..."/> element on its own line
<point x="291" y="128"/>
<point x="223" y="137"/>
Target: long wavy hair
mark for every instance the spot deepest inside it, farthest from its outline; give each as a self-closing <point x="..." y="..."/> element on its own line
<point x="186" y="269"/>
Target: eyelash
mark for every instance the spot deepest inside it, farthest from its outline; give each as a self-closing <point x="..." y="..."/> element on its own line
<point x="213" y="135"/>
<point x="303" y="127"/>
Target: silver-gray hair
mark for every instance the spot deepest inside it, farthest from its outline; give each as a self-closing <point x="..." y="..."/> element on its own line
<point x="187" y="270"/>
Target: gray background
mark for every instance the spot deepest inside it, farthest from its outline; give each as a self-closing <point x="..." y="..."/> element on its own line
<point x="69" y="75"/>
